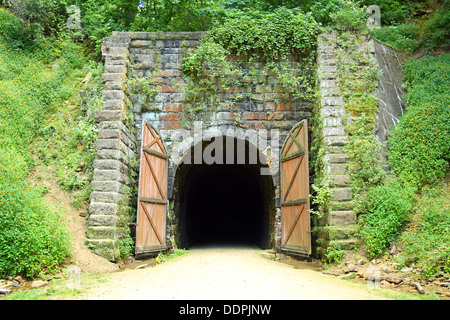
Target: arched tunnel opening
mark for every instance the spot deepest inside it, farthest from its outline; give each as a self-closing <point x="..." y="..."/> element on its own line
<point x="224" y="204"/>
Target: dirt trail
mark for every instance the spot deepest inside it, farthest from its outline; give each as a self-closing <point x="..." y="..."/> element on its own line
<point x="225" y="273"/>
<point x="59" y="200"/>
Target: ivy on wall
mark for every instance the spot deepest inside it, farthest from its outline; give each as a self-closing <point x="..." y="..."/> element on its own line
<point x="358" y="74"/>
<point x="273" y="52"/>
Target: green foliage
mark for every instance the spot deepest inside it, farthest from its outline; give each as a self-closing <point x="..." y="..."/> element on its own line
<point x="11" y="29"/>
<point x="394" y="11"/>
<point x="401" y="37"/>
<point x="100" y="18"/>
<point x="426" y="34"/>
<point x="385" y="210"/>
<point x="358" y="80"/>
<point x="334" y="253"/>
<point x="350" y="17"/>
<point x="168" y="15"/>
<point x="272" y="36"/>
<point x="419" y="147"/>
<point x="364" y="151"/>
<point x="246" y="49"/>
<point x="66" y="139"/>
<point x="320" y="187"/>
<point x="168" y="255"/>
<point x="33" y="238"/>
<point x="436" y="33"/>
<point x="323" y="9"/>
<point x="38" y="18"/>
<point x="426" y="242"/>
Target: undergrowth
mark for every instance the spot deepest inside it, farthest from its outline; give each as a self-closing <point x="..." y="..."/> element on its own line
<point x="33" y="83"/>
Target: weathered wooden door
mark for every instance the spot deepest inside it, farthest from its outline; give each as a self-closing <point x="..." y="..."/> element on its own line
<point x="294" y="175"/>
<point x="152" y="196"/>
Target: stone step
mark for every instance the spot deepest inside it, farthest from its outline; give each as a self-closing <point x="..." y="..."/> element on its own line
<point x="341" y="218"/>
<point x="343" y="232"/>
<point x="334" y="131"/>
<point x="341" y="194"/>
<point x="336" y="232"/>
<point x="341" y="205"/>
<point x="340" y="180"/>
<point x="102" y="220"/>
<point x="337" y="158"/>
<point x="346" y="244"/>
<point x="105" y="247"/>
<point x="110" y="175"/>
<point x="100" y="208"/>
<point x="101" y="232"/>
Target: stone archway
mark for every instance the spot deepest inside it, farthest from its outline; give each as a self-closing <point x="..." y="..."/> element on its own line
<point x="136" y="54"/>
<point x="228" y="202"/>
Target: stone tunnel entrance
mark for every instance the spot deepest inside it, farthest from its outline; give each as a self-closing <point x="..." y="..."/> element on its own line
<point x="250" y="200"/>
<point x="224" y="203"/>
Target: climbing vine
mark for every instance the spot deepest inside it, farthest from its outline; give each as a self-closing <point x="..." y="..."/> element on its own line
<point x="358" y="74"/>
<point x="253" y="53"/>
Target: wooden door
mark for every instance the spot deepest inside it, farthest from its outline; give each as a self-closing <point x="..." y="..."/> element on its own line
<point x="152" y="195"/>
<point x="294" y="176"/>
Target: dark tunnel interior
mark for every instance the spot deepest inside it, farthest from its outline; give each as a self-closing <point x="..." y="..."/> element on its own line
<point x="224" y="204"/>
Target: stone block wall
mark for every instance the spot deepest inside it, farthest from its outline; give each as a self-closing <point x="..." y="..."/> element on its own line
<point x="337" y="228"/>
<point x="338" y="225"/>
<point x="115" y="148"/>
<point x="158" y="57"/>
<point x="155" y="59"/>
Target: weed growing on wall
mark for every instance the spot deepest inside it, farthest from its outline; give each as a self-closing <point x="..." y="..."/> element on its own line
<point x="321" y="191"/>
<point x="358" y="74"/>
<point x="279" y="45"/>
<point x="349" y="16"/>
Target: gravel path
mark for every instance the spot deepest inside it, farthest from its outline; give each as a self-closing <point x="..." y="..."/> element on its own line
<point x="224" y="274"/>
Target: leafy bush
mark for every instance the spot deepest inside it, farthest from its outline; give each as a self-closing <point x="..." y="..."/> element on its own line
<point x="271" y="35"/>
<point x="364" y="151"/>
<point x="11" y="29"/>
<point x="426" y="242"/>
<point x="323" y="9"/>
<point x="401" y="37"/>
<point x="33" y="238"/>
<point x="265" y="41"/>
<point x="350" y="17"/>
<point x="419" y="147"/>
<point x="385" y="209"/>
<point x="38" y="18"/>
<point x="436" y="32"/>
<point x="100" y="18"/>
